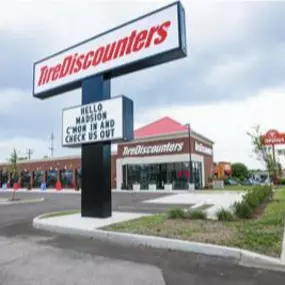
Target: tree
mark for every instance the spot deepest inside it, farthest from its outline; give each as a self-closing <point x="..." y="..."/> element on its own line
<point x="13" y="167"/>
<point x="262" y="153"/>
<point x="22" y="158"/>
<point x="279" y="169"/>
<point x="240" y="171"/>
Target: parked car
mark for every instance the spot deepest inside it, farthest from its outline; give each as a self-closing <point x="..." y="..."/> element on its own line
<point x="250" y="182"/>
<point x="265" y="182"/>
<point x="231" y="182"/>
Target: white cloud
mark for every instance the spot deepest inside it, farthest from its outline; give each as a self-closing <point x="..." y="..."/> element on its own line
<point x="210" y="26"/>
<point x="67" y="22"/>
<point x="9" y="99"/>
<point x="211" y="23"/>
<point x="22" y="144"/>
<point x="230" y="70"/>
<point x="227" y="123"/>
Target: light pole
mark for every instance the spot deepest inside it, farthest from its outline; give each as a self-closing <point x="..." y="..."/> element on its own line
<point x="190" y="150"/>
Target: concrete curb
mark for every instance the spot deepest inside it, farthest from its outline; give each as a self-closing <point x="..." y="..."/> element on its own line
<point x="242" y="257"/>
<point x="21" y="202"/>
<point x="283" y="249"/>
<point x="21" y="190"/>
<point x="152" y="191"/>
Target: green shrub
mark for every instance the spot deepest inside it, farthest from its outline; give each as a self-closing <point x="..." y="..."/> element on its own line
<point x="242" y="210"/>
<point x="253" y="198"/>
<point x="197" y="215"/>
<point x="263" y="192"/>
<point x="225" y="215"/>
<point x="268" y="190"/>
<point x="176" y="213"/>
<point x="281" y="181"/>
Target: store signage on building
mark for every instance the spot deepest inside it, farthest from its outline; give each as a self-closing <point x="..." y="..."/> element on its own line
<point x="152" y="39"/>
<point x="273" y="137"/>
<point x="199" y="147"/>
<point x="97" y="122"/>
<point x="153" y="149"/>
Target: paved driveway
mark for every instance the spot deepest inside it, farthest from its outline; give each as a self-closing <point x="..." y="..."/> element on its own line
<point x="29" y="256"/>
<point x="218" y="200"/>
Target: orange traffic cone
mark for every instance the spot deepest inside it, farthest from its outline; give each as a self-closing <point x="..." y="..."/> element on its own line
<point x="58" y="186"/>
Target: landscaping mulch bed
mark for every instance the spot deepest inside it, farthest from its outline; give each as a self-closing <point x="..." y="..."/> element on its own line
<point x="259" y="211"/>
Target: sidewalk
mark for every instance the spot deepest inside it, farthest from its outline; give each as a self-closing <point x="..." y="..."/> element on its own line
<point x="218" y="200"/>
<point x="37" y="190"/>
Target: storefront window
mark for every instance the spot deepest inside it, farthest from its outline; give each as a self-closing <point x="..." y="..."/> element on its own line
<point x="177" y="174"/>
<point x="125" y="180"/>
<point x="197" y="174"/>
<point x="180" y="176"/>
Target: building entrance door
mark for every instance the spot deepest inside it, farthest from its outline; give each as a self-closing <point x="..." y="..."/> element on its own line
<point x="162" y="177"/>
<point x="197" y="174"/>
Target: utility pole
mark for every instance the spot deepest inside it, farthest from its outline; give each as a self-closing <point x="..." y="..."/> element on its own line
<point x="190" y="152"/>
<point x="29" y="152"/>
<point x="51" y="148"/>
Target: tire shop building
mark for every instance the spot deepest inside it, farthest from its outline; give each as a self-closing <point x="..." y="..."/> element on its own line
<point x="158" y="158"/>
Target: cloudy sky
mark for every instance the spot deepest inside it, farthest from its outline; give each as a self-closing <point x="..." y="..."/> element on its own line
<point x="232" y="79"/>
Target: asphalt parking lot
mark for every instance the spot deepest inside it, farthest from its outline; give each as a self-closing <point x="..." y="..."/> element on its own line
<point x="30" y="256"/>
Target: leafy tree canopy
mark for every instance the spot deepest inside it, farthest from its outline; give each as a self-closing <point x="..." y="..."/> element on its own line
<point x="262" y="152"/>
<point x="239" y="170"/>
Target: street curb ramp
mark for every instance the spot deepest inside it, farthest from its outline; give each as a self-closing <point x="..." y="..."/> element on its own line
<point x="242" y="257"/>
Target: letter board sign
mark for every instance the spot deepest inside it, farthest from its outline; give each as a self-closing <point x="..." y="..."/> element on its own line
<point x="107" y="120"/>
<point x="147" y="41"/>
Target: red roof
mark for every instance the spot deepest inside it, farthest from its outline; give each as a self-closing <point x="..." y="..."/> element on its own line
<point x="164" y="125"/>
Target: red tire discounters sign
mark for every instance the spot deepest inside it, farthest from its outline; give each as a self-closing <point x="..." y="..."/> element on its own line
<point x="152" y="39"/>
<point x="273" y="137"/>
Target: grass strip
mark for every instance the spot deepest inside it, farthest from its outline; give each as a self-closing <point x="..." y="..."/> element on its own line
<point x="263" y="234"/>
